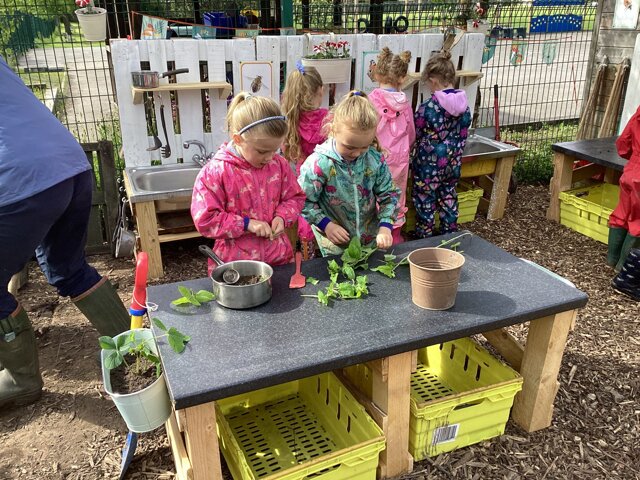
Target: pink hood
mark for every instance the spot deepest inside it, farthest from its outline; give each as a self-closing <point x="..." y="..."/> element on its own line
<point x="397" y="101"/>
<point x="453" y="101"/>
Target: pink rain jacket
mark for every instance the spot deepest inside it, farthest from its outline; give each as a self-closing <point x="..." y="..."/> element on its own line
<point x="228" y="190"/>
<point x="396" y="134"/>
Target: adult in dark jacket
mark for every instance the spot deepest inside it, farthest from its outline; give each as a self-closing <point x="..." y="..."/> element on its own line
<point x="45" y="201"/>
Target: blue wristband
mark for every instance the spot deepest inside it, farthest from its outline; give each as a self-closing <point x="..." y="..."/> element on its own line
<point x="246" y="223"/>
<point x="322" y="224"/>
<point x="386" y="224"/>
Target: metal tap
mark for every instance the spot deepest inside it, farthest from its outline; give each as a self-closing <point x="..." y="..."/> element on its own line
<point x="202" y="158"/>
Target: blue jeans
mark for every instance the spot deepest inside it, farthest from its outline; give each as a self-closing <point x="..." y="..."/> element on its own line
<point x="54" y="224"/>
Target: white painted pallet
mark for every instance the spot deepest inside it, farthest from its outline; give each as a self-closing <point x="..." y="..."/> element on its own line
<point x="212" y="56"/>
<point x="632" y="97"/>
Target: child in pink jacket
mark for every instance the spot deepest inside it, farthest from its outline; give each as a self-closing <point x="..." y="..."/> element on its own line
<point x="247" y="194"/>
<point x="396" y="130"/>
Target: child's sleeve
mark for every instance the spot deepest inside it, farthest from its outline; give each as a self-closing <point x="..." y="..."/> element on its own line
<point x="411" y="127"/>
<point x="387" y="195"/>
<point x="291" y="196"/>
<point x="208" y="206"/>
<point x="624" y="144"/>
<point x="312" y="180"/>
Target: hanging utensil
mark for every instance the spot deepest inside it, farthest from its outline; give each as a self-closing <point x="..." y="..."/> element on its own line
<point x="156" y="141"/>
<point x="297" y="279"/>
<point x="230" y="275"/>
<point x="166" y="149"/>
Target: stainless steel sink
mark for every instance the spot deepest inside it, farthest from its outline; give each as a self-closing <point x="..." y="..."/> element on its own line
<point x="478" y="147"/>
<point x="161" y="182"/>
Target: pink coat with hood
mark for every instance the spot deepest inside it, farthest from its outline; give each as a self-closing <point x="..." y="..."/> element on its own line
<point x="396" y="134"/>
<point x="229" y="191"/>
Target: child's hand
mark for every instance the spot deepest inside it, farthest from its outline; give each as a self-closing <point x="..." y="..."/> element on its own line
<point x="260" y="228"/>
<point x="277" y="227"/>
<point x="384" y="238"/>
<point x="336" y="234"/>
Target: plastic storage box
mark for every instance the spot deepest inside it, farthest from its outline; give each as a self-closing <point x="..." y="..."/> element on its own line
<point x="460" y="395"/>
<point x="586" y="210"/>
<point x="310" y="428"/>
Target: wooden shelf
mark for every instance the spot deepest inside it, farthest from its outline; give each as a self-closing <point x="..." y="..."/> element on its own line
<point x="467" y="76"/>
<point x="223" y="87"/>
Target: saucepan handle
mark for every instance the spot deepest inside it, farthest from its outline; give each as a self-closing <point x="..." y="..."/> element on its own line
<point x="207" y="252"/>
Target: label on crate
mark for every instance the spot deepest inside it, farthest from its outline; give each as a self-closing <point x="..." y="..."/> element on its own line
<point x="445" y="434"/>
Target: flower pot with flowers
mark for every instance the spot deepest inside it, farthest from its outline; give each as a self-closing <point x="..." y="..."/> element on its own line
<point x="477" y="21"/>
<point x="93" y="21"/>
<point x="332" y="60"/>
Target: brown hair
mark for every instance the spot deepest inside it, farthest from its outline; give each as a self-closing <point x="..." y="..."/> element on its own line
<point x="246" y="108"/>
<point x="441" y="67"/>
<point x="391" y="68"/>
<point x="297" y="97"/>
<point x="356" y="111"/>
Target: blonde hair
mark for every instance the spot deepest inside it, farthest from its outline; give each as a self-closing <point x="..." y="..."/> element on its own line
<point x="246" y="109"/>
<point x="441" y="67"/>
<point x="355" y="111"/>
<point x="391" y="68"/>
<point x="298" y="96"/>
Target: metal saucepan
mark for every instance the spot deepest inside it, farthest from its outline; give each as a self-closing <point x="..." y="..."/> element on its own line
<point x="147" y="79"/>
<point x="240" y="295"/>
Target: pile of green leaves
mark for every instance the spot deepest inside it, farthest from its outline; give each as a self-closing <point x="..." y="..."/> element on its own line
<point x="191" y="298"/>
<point x="125" y="345"/>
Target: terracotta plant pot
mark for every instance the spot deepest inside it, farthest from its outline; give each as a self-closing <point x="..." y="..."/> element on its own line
<point x="332" y="70"/>
<point x="93" y="25"/>
<point x="435" y="274"/>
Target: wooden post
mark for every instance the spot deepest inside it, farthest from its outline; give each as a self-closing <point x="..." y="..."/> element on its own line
<point x="500" y="189"/>
<point x="201" y="437"/>
<point x="533" y="406"/>
<point x="561" y="181"/>
<point x="180" y="457"/>
<point x="148" y="230"/>
<point x="392" y="396"/>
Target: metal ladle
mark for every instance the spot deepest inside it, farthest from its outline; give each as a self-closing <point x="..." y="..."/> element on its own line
<point x="230" y="275"/>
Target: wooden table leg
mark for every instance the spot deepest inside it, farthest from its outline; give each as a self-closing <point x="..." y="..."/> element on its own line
<point x="561" y="181"/>
<point x="149" y="242"/>
<point x="500" y="190"/>
<point x="612" y="176"/>
<point x="201" y="439"/>
<point x="391" y="395"/>
<point x="533" y="406"/>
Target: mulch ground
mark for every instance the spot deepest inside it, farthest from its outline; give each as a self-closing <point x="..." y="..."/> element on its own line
<point x="75" y="432"/>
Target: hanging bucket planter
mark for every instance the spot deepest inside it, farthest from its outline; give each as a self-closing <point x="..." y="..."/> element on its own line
<point x="332" y="70"/>
<point x="146" y="409"/>
<point x="435" y="275"/>
<point x="93" y="25"/>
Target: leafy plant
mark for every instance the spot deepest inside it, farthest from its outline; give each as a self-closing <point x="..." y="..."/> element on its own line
<point x="330" y="49"/>
<point x="88" y="6"/>
<point x="118" y="348"/>
<point x="189" y="297"/>
<point x="356" y="255"/>
<point x="390" y="265"/>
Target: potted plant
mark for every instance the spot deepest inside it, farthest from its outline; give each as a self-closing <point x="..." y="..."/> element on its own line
<point x="477" y="19"/>
<point x="133" y="377"/>
<point x="332" y="60"/>
<point x="93" y="21"/>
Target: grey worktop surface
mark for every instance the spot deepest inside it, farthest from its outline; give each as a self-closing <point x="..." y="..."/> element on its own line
<point x="291" y="337"/>
<point x="601" y="151"/>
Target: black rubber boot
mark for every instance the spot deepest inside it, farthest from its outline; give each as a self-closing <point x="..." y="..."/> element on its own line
<point x="104" y="309"/>
<point x="630" y="242"/>
<point x="20" y="380"/>
<point x="616" y="240"/>
<point x="628" y="280"/>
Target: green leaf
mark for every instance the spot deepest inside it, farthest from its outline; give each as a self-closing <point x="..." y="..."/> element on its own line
<point x="184" y="291"/>
<point x="158" y="323"/>
<point x="385" y="269"/>
<point x="205" y="296"/>
<point x="363" y="266"/>
<point x="349" y="272"/>
<point x="389" y="257"/>
<point x="180" y="301"/>
<point x="334" y="278"/>
<point x="113" y="360"/>
<point x="323" y="298"/>
<point x="312" y="281"/>
<point x="107" y="343"/>
<point x="333" y="267"/>
<point x="346" y="289"/>
<point x="177" y="340"/>
<point x="124" y="339"/>
<point x="152" y="358"/>
<point x="355" y="248"/>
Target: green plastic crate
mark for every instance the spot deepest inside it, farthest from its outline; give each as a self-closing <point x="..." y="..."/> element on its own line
<point x="460" y="395"/>
<point x="310" y="428"/>
<point x="468" y="200"/>
<point x="586" y="210"/>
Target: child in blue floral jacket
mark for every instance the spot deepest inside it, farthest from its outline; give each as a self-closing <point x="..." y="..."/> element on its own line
<point x="442" y="124"/>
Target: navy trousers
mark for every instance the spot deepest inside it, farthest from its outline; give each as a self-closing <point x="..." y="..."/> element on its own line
<point x="53" y="223"/>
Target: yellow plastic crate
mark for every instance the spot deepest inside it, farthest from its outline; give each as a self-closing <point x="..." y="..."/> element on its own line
<point x="586" y="210"/>
<point x="310" y="428"/>
<point x="468" y="200"/>
<point x="460" y="395"/>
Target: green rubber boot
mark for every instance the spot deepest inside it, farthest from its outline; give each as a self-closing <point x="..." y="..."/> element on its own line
<point x="20" y="380"/>
<point x="616" y="240"/>
<point x="630" y="243"/>
<point x="104" y="309"/>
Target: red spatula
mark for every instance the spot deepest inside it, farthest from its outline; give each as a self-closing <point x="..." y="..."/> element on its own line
<point x="297" y="279"/>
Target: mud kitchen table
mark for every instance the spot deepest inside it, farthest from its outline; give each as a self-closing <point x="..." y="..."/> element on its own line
<point x="291" y="337"/>
<point x="600" y="151"/>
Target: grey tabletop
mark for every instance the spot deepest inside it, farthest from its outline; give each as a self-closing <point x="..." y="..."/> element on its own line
<point x="292" y="337"/>
<point x="601" y="151"/>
